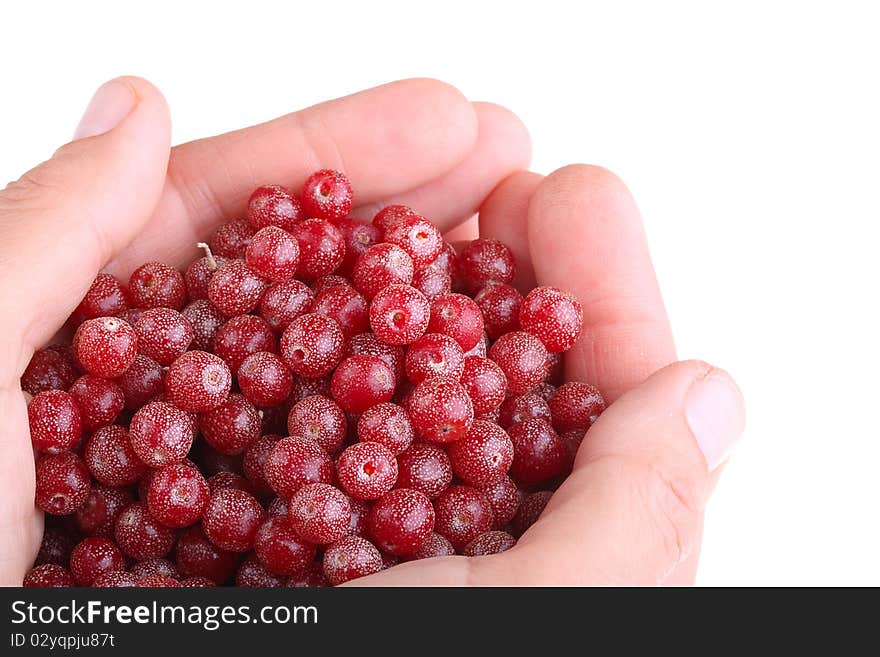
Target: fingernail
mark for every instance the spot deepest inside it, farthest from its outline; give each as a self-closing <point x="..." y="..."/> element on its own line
<point x="716" y="416"/>
<point x="112" y="102"/>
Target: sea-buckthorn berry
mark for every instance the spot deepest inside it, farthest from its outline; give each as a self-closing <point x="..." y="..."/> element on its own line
<point x="284" y="302"/>
<point x="505" y="498"/>
<point x="312" y="345"/>
<point x="387" y="424"/>
<point x="327" y="194"/>
<point x="111" y="459"/>
<point x="522" y="358"/>
<point x="418" y="237"/>
<point x="93" y="557"/>
<point x="198" y="382"/>
<point x="97" y="516"/>
<point x="435" y="545"/>
<point x="553" y="316"/>
<point x="196" y="556"/>
<point x="484" y="382"/>
<point x="368" y="344"/>
<point x="349" y="558"/>
<point x="358" y="236"/>
<point x="500" y="306"/>
<point x="295" y="462"/>
<point x="433" y="283"/>
<point x="105" y="346"/>
<point x="483" y="455"/>
<point x="141" y="536"/>
<point x="161" y="434"/>
<point x="463" y="513"/>
<point x="232" y="518"/>
<point x="231" y="239"/>
<point x="232" y="426"/>
<point x="399" y="314"/>
<point x="319" y="513"/>
<point x="104" y="298"/>
<point x="401" y="520"/>
<point x="48" y="575"/>
<point x="55" y="421"/>
<point x="264" y="379"/>
<point x="491" y="542"/>
<point x="346" y="305"/>
<point x="530" y="510"/>
<point x="321" y="248"/>
<point x="390" y="215"/>
<point x="99" y="400"/>
<point x="434" y="354"/>
<point x="318" y="418"/>
<point x="516" y="409"/>
<point x="273" y="254"/>
<point x="538" y="453"/>
<point x="143" y="382"/>
<point x="273" y="205"/>
<point x="424" y="467"/>
<point x="163" y="334"/>
<point x="360" y="382"/>
<point x="52" y="368"/>
<point x="235" y="289"/>
<point x="177" y="495"/>
<point x="242" y="336"/>
<point x="366" y="471"/>
<point x="485" y="262"/>
<point x="198" y="275"/>
<point x="458" y="317"/>
<point x="440" y="410"/>
<point x="575" y="405"/>
<point x="280" y="549"/>
<point x="62" y="483"/>
<point x="380" y="266"/>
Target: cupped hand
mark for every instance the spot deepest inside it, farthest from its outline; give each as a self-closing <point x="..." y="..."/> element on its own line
<point x="118" y="196"/>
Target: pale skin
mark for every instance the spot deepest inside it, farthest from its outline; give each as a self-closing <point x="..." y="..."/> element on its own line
<point x="632" y="510"/>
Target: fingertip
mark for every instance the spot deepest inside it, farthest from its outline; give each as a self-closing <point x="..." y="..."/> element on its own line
<point x="507" y="131"/>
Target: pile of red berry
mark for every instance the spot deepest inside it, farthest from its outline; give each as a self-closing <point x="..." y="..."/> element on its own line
<point x="315" y="399"/>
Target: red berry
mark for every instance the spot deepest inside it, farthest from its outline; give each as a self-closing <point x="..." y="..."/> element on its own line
<point x="390" y="215"/>
<point x="440" y="410"/>
<point x="386" y="424"/>
<point x="232" y="426"/>
<point x="522" y="358"/>
<point x="367" y="344"/>
<point x="505" y="499"/>
<point x="330" y="280"/>
<point x="235" y="288"/>
<point x="360" y="382"/>
<point x="401" y="520"/>
<point x="48" y="575"/>
<point x="500" y="306"/>
<point x="177" y="495"/>
<point x="485" y="262"/>
<point x="344" y="304"/>
<point x="311" y="577"/>
<point x="360" y="509"/>
<point x="539" y="454"/>
<point x="140" y="535"/>
<point x="115" y="579"/>
<point x="155" y="284"/>
<point x="198" y="275"/>
<point x="231" y="239"/>
<point x="143" y="382"/>
<point x="242" y="336"/>
<point x="105" y="346"/>
<point x="62" y="483"/>
<point x="163" y="334"/>
<point x="99" y="401"/>
<point x="111" y="459"/>
<point x="104" y="298"/>
<point x="321" y="248"/>
<point x="553" y="316"/>
<point x="483" y="455"/>
<point x="380" y="266"/>
<point x="319" y="513"/>
<point x="358" y="236"/>
<point x="327" y="194"/>
<point x="198" y="382"/>
<point x="161" y="434"/>
<point x="366" y="471"/>
<point x="480" y="348"/>
<point x="399" y="314"/>
<point x="575" y="405"/>
<point x="154" y="566"/>
<point x="55" y="547"/>
<point x="93" y="557"/>
<point x="55" y="421"/>
<point x="484" y="382"/>
<point x="434" y="546"/>
<point x="97" y="516"/>
<point x="197" y="582"/>
<point x="284" y="302"/>
<point x="349" y="558"/>
<point x="196" y="556"/>
<point x="280" y="549"/>
<point x="253" y="574"/>
<point x="312" y="345"/>
<point x="232" y="518"/>
<point x="264" y="379"/>
<point x="273" y="205"/>
<point x="52" y="368"/>
<point x="295" y="462"/>
<point x="433" y="283"/>
<point x="277" y="507"/>
<point x="434" y="354"/>
<point x="458" y="317"/>
<point x="418" y="237"/>
<point x="491" y="542"/>
<point x="228" y="479"/>
<point x="320" y="419"/>
<point x="273" y="254"/>
<point x="425" y="468"/>
<point x="519" y="409"/>
<point x="157" y="582"/>
<point x="463" y="513"/>
<point x="447" y="262"/>
<point x="530" y="510"/>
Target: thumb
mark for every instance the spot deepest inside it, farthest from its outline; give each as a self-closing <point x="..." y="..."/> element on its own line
<point x="62" y="221"/>
<point x="631" y="510"/>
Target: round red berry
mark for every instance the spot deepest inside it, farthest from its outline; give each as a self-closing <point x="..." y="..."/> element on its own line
<point x="157" y="582"/>
<point x="321" y="248"/>
<point x="516" y="409"/>
<point x="111" y="459"/>
<point x="360" y="509"/>
<point x="485" y="262"/>
<point x="483" y="455"/>
<point x="177" y="495"/>
<point x="530" y="510"/>
<point x="264" y="379"/>
<point x="163" y="334"/>
<point x="228" y="479"/>
<point x="349" y="558"/>
<point x="161" y="434"/>
<point x="55" y="547"/>
<point x="434" y="354"/>
<point x="367" y="344"/>
<point x="253" y="574"/>
<point x="366" y="471"/>
<point x="435" y="545"/>
<point x="491" y="542"/>
<point x="440" y="410"/>
<point x="273" y="254"/>
<point x="390" y="215"/>
<point x="484" y="382"/>
<point x="104" y="298"/>
<point x="55" y="421"/>
<point x="358" y="236"/>
<point x="52" y="368"/>
<point x="553" y="316"/>
<point x="232" y="426"/>
<point x="312" y="345"/>
<point x="463" y="513"/>
<point x="575" y="406"/>
<point x="48" y="575"/>
<point x="62" y="483"/>
<point x="505" y="499"/>
<point x="93" y="557"/>
<point x="319" y="513"/>
<point x="425" y="468"/>
<point x="97" y="516"/>
<point x="399" y="314"/>
<point x="154" y="566"/>
<point x="143" y="382"/>
<point x="198" y="382"/>
<point x="105" y="346"/>
<point x="386" y="424"/>
<point x="200" y="272"/>
<point x="433" y="283"/>
<point x="344" y="304"/>
<point x="327" y="194"/>
<point x="360" y="382"/>
<point x="522" y="358"/>
<point x="458" y="317"/>
<point x="231" y="239"/>
<point x="418" y="237"/>
<point x="140" y="535"/>
<point x="401" y="520"/>
<point x="500" y="306"/>
<point x="115" y="579"/>
<point x="156" y="284"/>
<point x="196" y="556"/>
<point x="232" y="518"/>
<point x="273" y="205"/>
<point x="380" y="266"/>
<point x="539" y="454"/>
<point x="319" y="418"/>
<point x="235" y="289"/>
<point x="280" y="549"/>
<point x="295" y="462"/>
<point x="242" y="336"/>
<point x="99" y="401"/>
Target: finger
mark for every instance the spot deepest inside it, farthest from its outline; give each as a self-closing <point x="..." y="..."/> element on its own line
<point x="386" y="140"/>
<point x="64" y="219"/>
<point x="504" y="216"/>
<point x="502" y="147"/>
<point x="465" y="232"/>
<point x="585" y="236"/>
<point x="631" y="511"/>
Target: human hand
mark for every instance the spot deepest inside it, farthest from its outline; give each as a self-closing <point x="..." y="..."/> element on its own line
<point x="116" y="198"/>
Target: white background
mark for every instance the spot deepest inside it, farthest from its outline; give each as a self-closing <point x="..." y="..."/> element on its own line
<point x="748" y="133"/>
